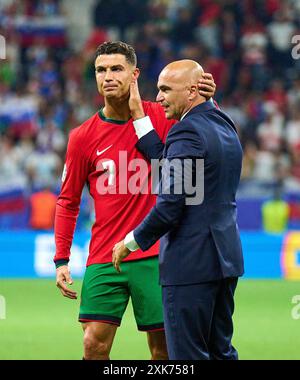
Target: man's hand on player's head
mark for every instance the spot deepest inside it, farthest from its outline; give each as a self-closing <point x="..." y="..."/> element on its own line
<point x="120" y="252"/>
<point x="62" y="277"/>
<point x="207" y="86"/>
<point x="135" y="101"/>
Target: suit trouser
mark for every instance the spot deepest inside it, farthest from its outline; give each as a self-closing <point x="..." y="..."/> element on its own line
<point x="198" y="320"/>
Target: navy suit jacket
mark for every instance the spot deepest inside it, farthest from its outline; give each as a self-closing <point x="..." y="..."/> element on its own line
<point x="200" y="242"/>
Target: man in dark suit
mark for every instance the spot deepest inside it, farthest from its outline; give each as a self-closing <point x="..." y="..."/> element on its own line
<point x="200" y="252"/>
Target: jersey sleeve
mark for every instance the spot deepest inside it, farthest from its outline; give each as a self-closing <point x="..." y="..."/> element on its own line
<point x="67" y="207"/>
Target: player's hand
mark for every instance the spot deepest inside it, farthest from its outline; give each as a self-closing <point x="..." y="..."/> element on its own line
<point x="63" y="277"/>
<point x="207" y="86"/>
<point x="135" y="101"/>
<point x="120" y="252"/>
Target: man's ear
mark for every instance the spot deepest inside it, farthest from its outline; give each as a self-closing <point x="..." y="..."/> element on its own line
<point x="136" y="73"/>
<point x="193" y="92"/>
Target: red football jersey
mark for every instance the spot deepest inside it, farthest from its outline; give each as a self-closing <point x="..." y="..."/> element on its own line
<point x="102" y="153"/>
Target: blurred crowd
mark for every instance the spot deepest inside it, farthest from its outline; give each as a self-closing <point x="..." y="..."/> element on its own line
<point x="48" y="88"/>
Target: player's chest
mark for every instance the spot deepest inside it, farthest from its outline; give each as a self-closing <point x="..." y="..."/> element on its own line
<point x="113" y="152"/>
<point x="112" y="144"/>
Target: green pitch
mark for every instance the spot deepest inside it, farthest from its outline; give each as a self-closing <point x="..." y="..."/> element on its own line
<point x="41" y="324"/>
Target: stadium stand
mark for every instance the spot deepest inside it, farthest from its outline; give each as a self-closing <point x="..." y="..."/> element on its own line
<point x="47" y="86"/>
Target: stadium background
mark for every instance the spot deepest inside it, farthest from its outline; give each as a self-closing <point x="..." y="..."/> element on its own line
<point x="47" y="87"/>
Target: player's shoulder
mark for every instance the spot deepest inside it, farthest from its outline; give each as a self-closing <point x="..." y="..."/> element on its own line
<point x="84" y="130"/>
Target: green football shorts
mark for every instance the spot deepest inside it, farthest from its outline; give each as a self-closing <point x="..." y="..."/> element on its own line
<point x="105" y="293"/>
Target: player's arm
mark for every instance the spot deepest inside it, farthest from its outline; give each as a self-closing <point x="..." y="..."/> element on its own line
<point x="67" y="209"/>
<point x="207" y="86"/>
<point x="150" y="143"/>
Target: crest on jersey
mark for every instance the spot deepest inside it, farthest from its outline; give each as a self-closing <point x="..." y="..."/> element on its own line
<point x="63" y="177"/>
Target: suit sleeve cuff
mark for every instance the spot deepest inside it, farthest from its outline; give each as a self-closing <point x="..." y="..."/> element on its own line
<point x="130" y="242"/>
<point x="142" y="126"/>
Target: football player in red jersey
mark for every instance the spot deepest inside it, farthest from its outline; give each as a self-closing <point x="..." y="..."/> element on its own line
<point x="102" y="153"/>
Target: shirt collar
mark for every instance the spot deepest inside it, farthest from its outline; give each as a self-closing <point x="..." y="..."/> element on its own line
<point x="205" y="106"/>
<point x="184" y="115"/>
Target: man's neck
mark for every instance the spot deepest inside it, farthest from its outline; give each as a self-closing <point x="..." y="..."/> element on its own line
<point x="116" y="110"/>
<point x="191" y="106"/>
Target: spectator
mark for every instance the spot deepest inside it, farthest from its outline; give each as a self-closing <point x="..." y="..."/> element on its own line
<point x="277" y="94"/>
<point x="48" y="8"/>
<point x="281" y="30"/>
<point x="229" y="32"/>
<point x="249" y="158"/>
<point x="270" y="132"/>
<point x="43" y="167"/>
<point x="11" y="174"/>
<point x="254" y="55"/>
<point x="293" y="130"/>
<point x="42" y="209"/>
<point x="50" y="138"/>
<point x="295" y="164"/>
<point x="294" y="95"/>
<point x="47" y="86"/>
<point x="275" y="213"/>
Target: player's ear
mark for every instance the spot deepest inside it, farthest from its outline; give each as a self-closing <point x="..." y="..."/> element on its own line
<point x="136" y="73"/>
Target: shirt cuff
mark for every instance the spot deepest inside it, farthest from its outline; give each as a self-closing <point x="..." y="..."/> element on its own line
<point x="142" y="126"/>
<point x="130" y="242"/>
<point x="61" y="262"/>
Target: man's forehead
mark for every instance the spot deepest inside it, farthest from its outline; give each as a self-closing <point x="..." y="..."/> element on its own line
<point x="163" y="76"/>
<point x="169" y="74"/>
<point x="166" y="78"/>
<point x="111" y="60"/>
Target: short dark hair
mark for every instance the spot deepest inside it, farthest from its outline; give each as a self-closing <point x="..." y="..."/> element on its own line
<point x="117" y="47"/>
